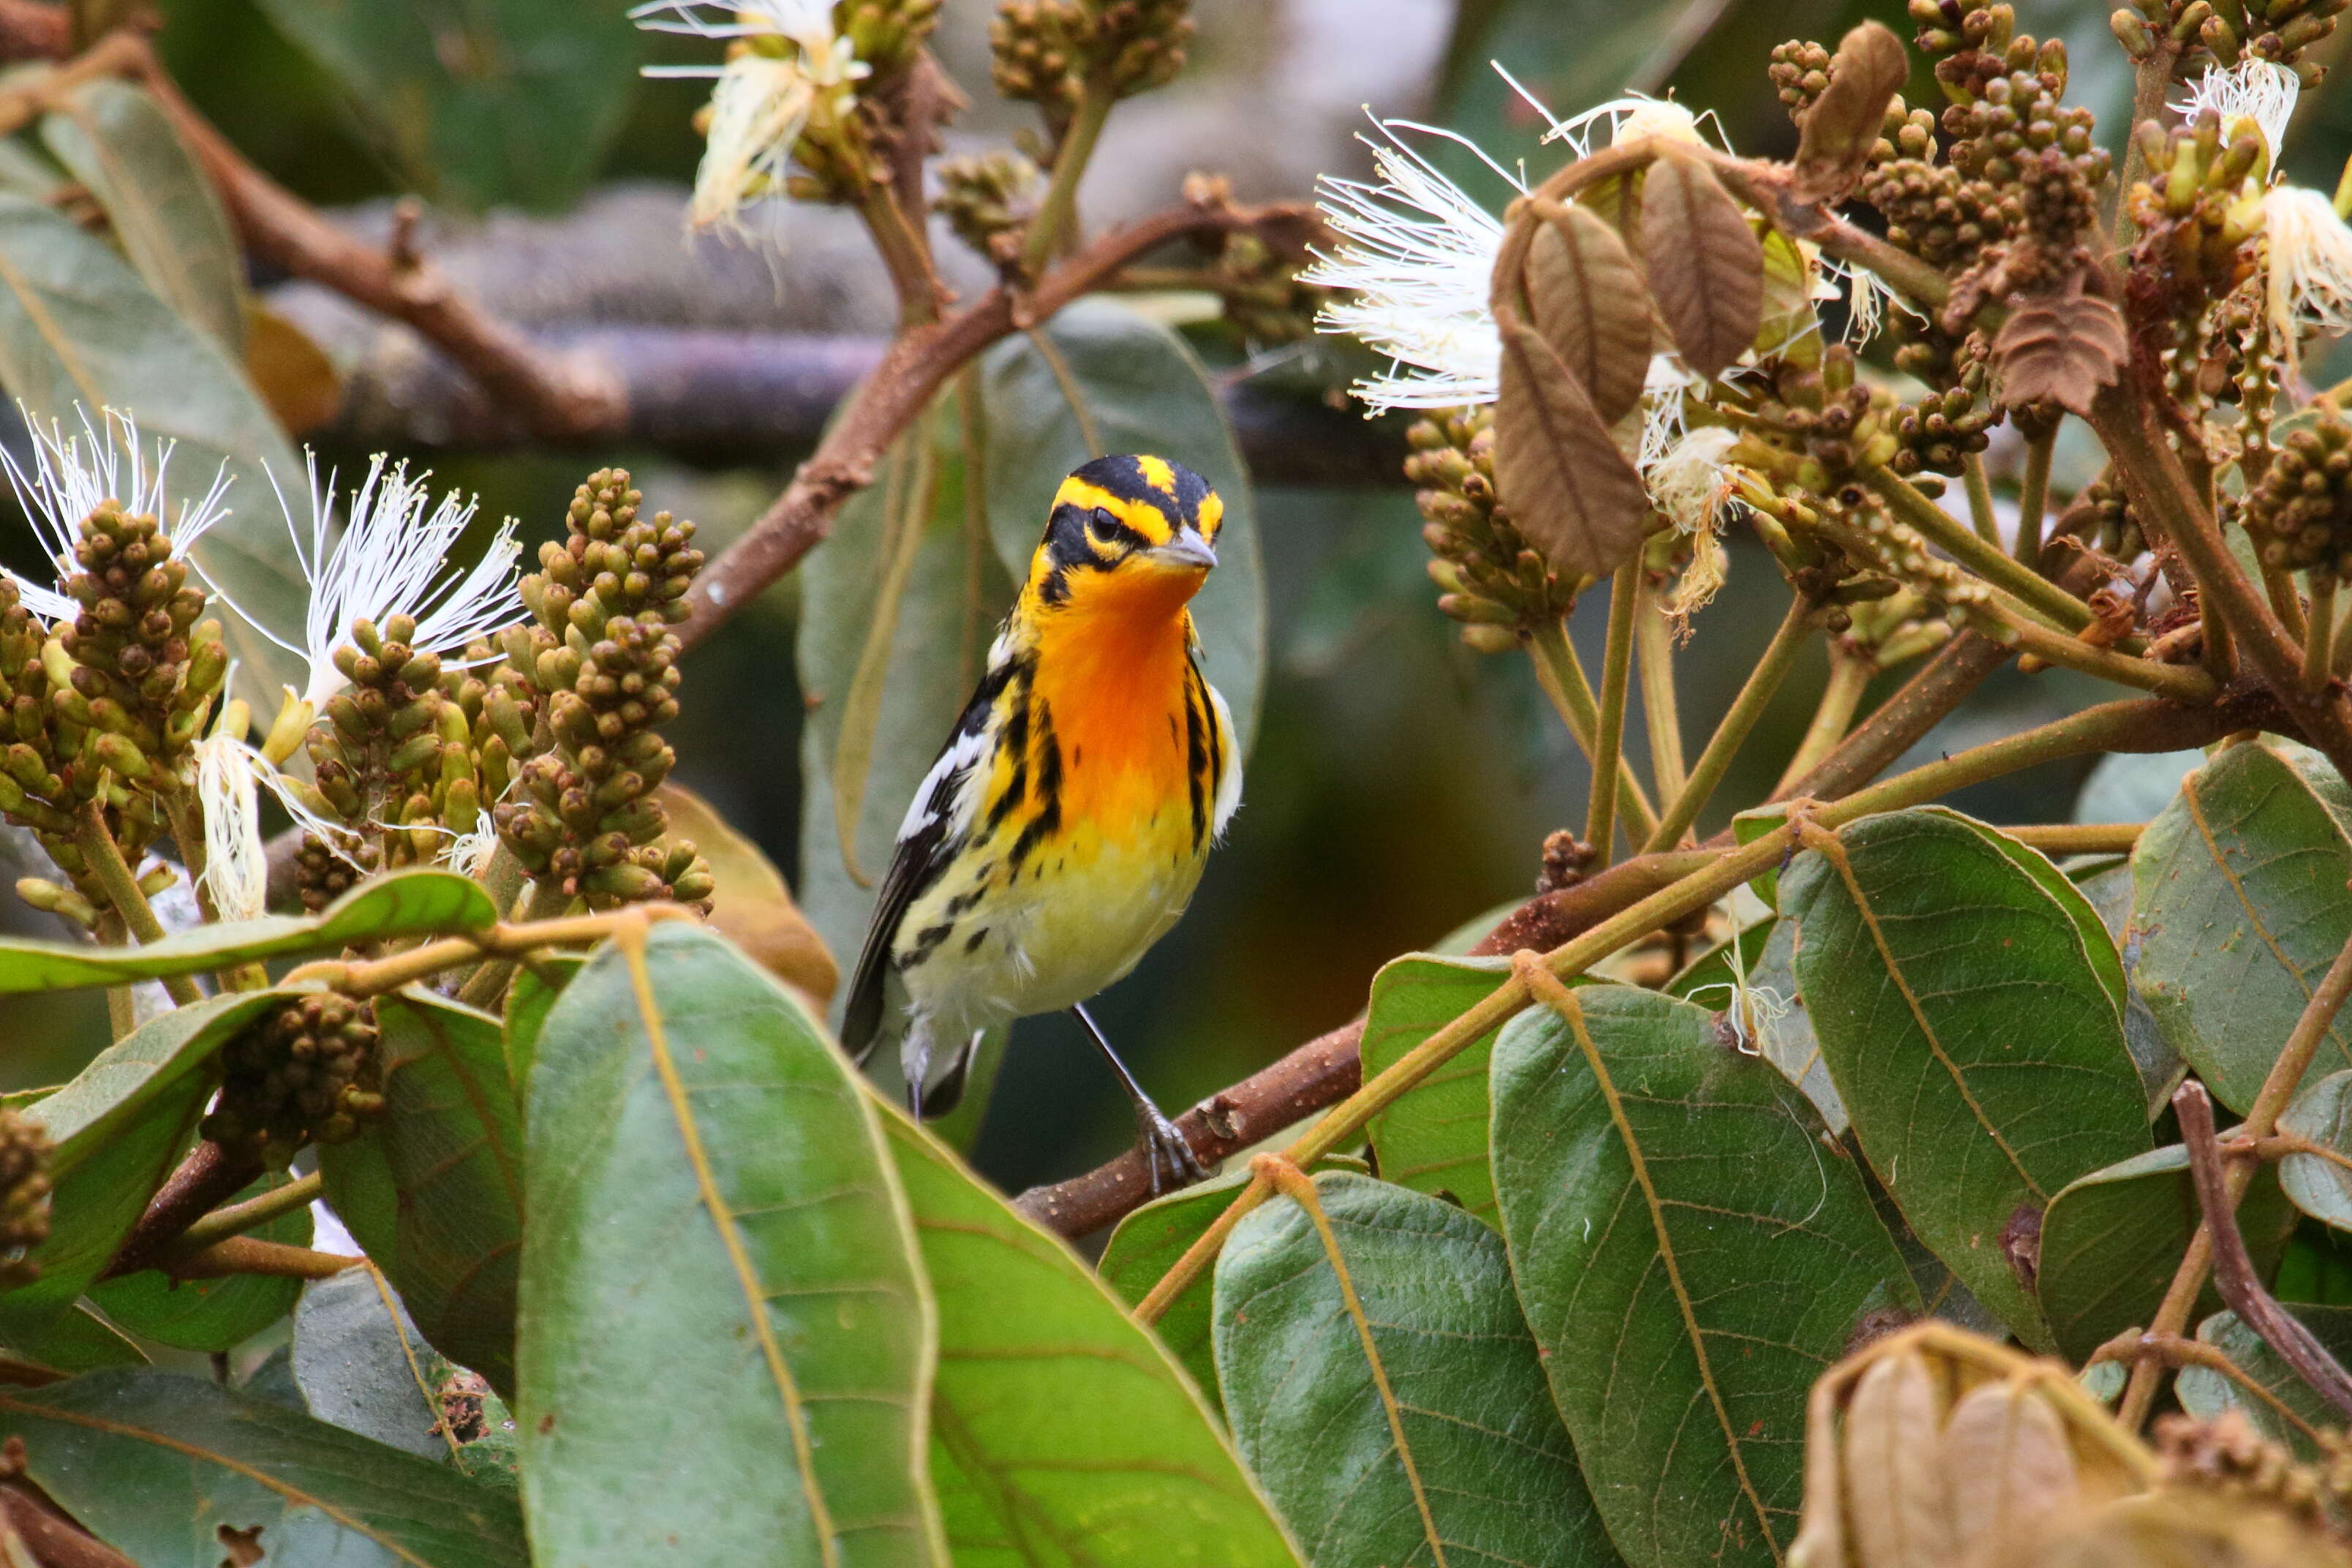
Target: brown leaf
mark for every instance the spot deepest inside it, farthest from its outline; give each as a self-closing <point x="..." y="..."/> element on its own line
<point x="2010" y="1469"/>
<point x="1896" y="1480"/>
<point x="751" y="906"/>
<point x="2063" y="347"/>
<point x="1568" y="488"/>
<point x="1706" y="265"/>
<point x="1867" y="72"/>
<point x="1585" y="295"/>
<point x="292" y="373"/>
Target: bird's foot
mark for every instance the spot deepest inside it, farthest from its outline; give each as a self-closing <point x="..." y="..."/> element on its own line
<point x="1166" y="1155"/>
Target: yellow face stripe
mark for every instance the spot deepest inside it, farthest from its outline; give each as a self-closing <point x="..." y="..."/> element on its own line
<point x="1142" y="516"/>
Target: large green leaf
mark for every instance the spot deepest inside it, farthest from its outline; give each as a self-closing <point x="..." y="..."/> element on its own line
<point x="528" y="1001"/>
<point x="2241" y="904"/>
<point x="1433" y="1139"/>
<point x="1449" y="1450"/>
<point x="2108" y="886"/>
<point x="897" y="606"/>
<point x="164" y="1467"/>
<point x="210" y="1314"/>
<point x="1064" y="1434"/>
<point x="433" y="1189"/>
<point x="493" y="102"/>
<point x="163" y="208"/>
<point x="1691" y="1253"/>
<point x="2113" y="1240"/>
<point x="1772" y="1012"/>
<point x="2205" y="1392"/>
<point x="1974" y="1038"/>
<point x="419" y="902"/>
<point x="2316" y="1184"/>
<point x="118" y="1127"/>
<point x="74" y="1341"/>
<point x="719" y="1272"/>
<point x="78" y="327"/>
<point x="1101" y="378"/>
<point x="359" y="1363"/>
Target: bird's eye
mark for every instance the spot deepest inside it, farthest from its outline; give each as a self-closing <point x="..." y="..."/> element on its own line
<point x="1104" y="527"/>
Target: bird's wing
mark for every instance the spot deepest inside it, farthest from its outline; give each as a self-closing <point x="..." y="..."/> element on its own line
<point x="928" y="839"/>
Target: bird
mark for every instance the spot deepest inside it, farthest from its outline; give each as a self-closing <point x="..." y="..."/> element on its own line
<point x="1066" y="823"/>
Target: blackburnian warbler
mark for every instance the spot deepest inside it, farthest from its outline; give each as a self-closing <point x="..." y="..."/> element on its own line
<point x="1066" y="823"/>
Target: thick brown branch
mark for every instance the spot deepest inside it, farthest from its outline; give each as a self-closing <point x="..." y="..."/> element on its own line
<point x="31" y="30"/>
<point x="54" y="1540"/>
<point x="2233" y="1270"/>
<point x="207" y="1179"/>
<point x="915" y="366"/>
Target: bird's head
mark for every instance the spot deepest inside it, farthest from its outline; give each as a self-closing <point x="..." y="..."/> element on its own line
<point x="1136" y="534"/>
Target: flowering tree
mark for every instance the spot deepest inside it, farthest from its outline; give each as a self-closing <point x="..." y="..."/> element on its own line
<point x="1842" y="1187"/>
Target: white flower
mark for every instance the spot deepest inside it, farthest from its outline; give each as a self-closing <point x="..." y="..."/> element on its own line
<point x="230" y="775"/>
<point x="1417" y="254"/>
<point x="1867" y="298"/>
<point x="2252" y="89"/>
<point x="1690" y="483"/>
<point x="763" y="97"/>
<point x="2308" y="253"/>
<point x="73" y="475"/>
<point x="391" y="558"/>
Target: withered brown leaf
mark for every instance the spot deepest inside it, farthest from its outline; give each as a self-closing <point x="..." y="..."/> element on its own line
<point x="1833" y="146"/>
<point x="1706" y="265"/>
<point x="1586" y="298"/>
<point x="1568" y="488"/>
<point x="2062" y="347"/>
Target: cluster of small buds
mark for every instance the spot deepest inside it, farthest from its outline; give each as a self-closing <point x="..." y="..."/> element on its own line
<point x="1264" y="298"/>
<point x="988" y="199"/>
<point x="24" y="1197"/>
<point x="2197" y="209"/>
<point x="2225" y="1455"/>
<point x="1824" y="428"/>
<point x="395" y="760"/>
<point x="1879" y="619"/>
<point x="1489" y="577"/>
<point x="1938" y="432"/>
<point x="2300" y="515"/>
<point x="2109" y="527"/>
<point x="305" y="1071"/>
<point x="1044" y="51"/>
<point x="1898" y="550"/>
<point x="1801" y="74"/>
<point x="887" y="34"/>
<point x="1932" y="211"/>
<point x="2285" y="32"/>
<point x="603" y="663"/>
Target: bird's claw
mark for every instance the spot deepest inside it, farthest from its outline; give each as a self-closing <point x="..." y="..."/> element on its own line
<point x="1166" y="1155"/>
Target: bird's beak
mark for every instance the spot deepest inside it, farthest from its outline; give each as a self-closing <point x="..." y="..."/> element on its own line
<point x="1188" y="549"/>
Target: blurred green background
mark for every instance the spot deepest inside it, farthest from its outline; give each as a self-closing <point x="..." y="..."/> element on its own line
<point x="1400" y="785"/>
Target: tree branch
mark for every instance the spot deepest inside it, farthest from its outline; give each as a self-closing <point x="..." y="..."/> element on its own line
<point x="207" y="1179"/>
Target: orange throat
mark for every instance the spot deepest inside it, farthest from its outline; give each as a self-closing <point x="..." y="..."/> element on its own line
<point x="1111" y="668"/>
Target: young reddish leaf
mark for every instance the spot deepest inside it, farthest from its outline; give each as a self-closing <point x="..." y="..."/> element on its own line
<point x="2064" y="349"/>
<point x="1587" y="300"/>
<point x="1570" y="488"/>
<point x="1835" y="146"/>
<point x="1706" y="265"/>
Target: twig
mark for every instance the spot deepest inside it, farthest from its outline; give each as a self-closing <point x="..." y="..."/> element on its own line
<point x="2034" y="494"/>
<point x="1660" y="709"/>
<point x="207" y="1178"/>
<point x="1979" y="485"/>
<point x="1921" y="703"/>
<point x="2233" y="1271"/>
<point x="31" y="30"/>
<point x="1561" y="675"/>
<point x="244" y="1255"/>
<point x="1755" y="694"/>
<point x="236" y="1220"/>
<point x="915" y="365"/>
<point x="104" y="858"/>
<point x="54" y="1539"/>
<point x="1609" y="739"/>
<point x="2064" y="611"/>
<point x="1851" y="669"/>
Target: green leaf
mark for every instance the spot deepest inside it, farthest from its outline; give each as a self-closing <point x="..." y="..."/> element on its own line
<point x="2108" y="888"/>
<point x="419" y="902"/>
<point x="887" y="662"/>
<point x="361" y="1363"/>
<point x="1691" y="1253"/>
<point x="163" y="208"/>
<point x="2132" y="786"/>
<point x="209" y="1314"/>
<point x="2240" y="905"/>
<point x="160" y="1467"/>
<point x="1433" y="1139"/>
<point x="2113" y="1240"/>
<point x="1977" y="1043"/>
<point x="2206" y="1392"/>
<point x="117" y="1130"/>
<point x="1774" y="1010"/>
<point x="78" y="326"/>
<point x="1461" y="1456"/>
<point x="1063" y="1433"/>
<point x="719" y="1271"/>
<point x="74" y="1341"/>
<point x="1101" y="378"/>
<point x="495" y="102"/>
<point x="2320" y="1187"/>
<point x="433" y="1189"/>
<point x="528" y="1001"/>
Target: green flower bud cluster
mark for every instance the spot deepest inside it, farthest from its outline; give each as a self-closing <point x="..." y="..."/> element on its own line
<point x="2283" y="31"/>
<point x="1938" y="432"/>
<point x="304" y="1071"/>
<point x="885" y="34"/>
<point x="1044" y="51"/>
<point x="395" y="759"/>
<point x="1801" y="74"/>
<point x="604" y="663"/>
<point x="2112" y="528"/>
<point x="24" y="1197"/>
<point x="2300" y="515"/>
<point x="2197" y="209"/>
<point x="1488" y="577"/>
<point x="988" y="199"/>
<point x="1826" y="427"/>
<point x="147" y="672"/>
<point x="1889" y="625"/>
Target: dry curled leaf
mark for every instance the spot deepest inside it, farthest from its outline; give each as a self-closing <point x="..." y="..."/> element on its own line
<point x="1570" y="491"/>
<point x="1833" y="146"/>
<point x="2062" y="347"/>
<point x="1898" y="1502"/>
<point x="2019" y="1471"/>
<point x="1704" y="263"/>
<point x="1585" y="295"/>
<point x="751" y="906"/>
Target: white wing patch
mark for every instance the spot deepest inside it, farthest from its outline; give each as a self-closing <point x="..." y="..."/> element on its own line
<point x="962" y="752"/>
<point x="1229" y="788"/>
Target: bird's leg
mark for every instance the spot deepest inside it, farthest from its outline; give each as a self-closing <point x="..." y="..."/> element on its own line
<point x="1165" y="1151"/>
